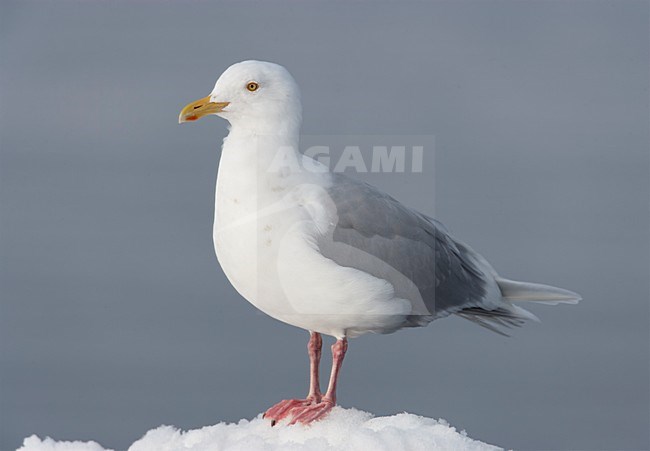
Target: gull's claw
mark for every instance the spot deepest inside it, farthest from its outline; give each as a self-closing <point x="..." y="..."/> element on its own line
<point x="312" y="412"/>
<point x="285" y="407"/>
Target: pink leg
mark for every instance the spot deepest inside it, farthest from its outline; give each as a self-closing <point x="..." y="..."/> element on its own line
<point x="320" y="410"/>
<point x="314" y="349"/>
<point x="284" y="408"/>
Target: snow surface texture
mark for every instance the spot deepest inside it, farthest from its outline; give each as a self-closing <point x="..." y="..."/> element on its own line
<point x="343" y="429"/>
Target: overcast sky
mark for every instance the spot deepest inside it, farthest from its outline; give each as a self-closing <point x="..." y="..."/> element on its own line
<point x="115" y="316"/>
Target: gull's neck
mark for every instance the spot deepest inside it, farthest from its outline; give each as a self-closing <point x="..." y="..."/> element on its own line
<point x="246" y="180"/>
<point x="283" y="121"/>
<point x="257" y="145"/>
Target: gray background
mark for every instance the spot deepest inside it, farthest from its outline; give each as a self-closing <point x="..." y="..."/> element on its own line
<point x="115" y="316"/>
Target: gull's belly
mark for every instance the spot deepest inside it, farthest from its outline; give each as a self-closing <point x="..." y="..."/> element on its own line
<point x="270" y="257"/>
<point x="245" y="246"/>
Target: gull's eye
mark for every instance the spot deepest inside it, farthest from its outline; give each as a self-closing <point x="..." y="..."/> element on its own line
<point x="252" y="86"/>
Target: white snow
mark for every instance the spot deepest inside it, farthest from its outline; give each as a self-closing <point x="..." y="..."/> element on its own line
<point x="34" y="443"/>
<point x="343" y="429"/>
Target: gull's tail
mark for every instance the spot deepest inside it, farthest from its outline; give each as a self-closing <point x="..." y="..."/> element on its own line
<point x="514" y="291"/>
<point x="509" y="315"/>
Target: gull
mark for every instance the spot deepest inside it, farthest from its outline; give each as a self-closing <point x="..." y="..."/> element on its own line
<point x="329" y="254"/>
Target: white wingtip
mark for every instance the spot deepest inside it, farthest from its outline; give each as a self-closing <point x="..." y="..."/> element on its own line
<point x="514" y="291"/>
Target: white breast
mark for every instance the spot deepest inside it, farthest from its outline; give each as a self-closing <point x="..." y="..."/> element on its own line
<point x="265" y="232"/>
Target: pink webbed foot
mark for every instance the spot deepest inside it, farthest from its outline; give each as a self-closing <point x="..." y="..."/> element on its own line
<point x="284" y="408"/>
<point x="311" y="413"/>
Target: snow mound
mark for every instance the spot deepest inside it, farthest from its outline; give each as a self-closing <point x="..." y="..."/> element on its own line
<point x="35" y="443"/>
<point x="343" y="429"/>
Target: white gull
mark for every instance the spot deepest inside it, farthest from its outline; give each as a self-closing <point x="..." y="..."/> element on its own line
<point x="329" y="254"/>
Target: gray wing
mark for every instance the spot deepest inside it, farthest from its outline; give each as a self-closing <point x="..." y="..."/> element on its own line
<point x="377" y="234"/>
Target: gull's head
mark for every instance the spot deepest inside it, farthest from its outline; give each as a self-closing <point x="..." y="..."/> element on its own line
<point x="252" y="93"/>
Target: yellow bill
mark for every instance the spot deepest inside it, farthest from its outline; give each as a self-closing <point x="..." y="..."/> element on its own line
<point x="202" y="107"/>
